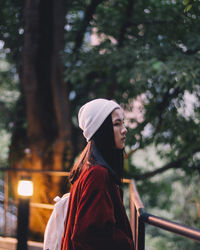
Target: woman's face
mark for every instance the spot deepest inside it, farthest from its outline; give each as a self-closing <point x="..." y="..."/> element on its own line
<point x="119" y="128"/>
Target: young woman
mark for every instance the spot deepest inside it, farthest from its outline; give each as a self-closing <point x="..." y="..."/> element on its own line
<point x="96" y="217"/>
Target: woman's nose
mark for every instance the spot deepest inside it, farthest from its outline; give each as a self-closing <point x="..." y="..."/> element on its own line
<point x="124" y="130"/>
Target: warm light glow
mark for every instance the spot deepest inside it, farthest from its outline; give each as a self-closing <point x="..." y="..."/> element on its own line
<point x="25" y="188"/>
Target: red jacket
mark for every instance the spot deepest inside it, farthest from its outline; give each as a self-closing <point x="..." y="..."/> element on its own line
<point x="96" y="217"/>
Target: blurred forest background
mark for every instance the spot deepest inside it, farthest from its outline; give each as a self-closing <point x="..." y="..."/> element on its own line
<point x="56" y="55"/>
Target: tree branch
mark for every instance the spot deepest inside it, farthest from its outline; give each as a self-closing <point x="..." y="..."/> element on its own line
<point x="165" y="103"/>
<point x="160" y="108"/>
<point x="175" y="165"/>
<point x="90" y="10"/>
<point x="127" y="155"/>
<point x="192" y="52"/>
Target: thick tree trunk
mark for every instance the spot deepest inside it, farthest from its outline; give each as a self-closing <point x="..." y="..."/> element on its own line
<point x="47" y="105"/>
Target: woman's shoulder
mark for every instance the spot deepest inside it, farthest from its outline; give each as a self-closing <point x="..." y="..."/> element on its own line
<point x="98" y="170"/>
<point x="95" y="174"/>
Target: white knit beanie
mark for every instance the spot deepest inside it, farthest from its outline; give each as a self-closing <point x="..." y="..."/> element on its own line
<point x="93" y="114"/>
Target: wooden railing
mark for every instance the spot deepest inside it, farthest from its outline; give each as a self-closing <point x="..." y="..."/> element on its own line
<point x="10" y="204"/>
<point x="139" y="217"/>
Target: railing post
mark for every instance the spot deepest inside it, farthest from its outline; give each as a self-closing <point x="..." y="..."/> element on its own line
<point x="137" y="224"/>
<point x="5" y="201"/>
<point x="133" y="215"/>
<point x="139" y="217"/>
<point x="140" y="232"/>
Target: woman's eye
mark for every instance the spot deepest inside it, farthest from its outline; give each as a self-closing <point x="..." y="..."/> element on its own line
<point x="117" y="124"/>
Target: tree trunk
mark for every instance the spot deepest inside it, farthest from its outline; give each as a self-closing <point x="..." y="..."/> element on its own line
<point x="47" y="104"/>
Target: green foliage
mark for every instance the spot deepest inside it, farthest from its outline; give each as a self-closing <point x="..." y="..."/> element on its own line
<point x="163" y="240"/>
<point x="147" y="52"/>
<point x="188" y="4"/>
<point x="4" y="147"/>
<point x="12" y="29"/>
<point x="9" y="92"/>
<point x="9" y="95"/>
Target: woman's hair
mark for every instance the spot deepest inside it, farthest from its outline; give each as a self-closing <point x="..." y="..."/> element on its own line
<point x="104" y="140"/>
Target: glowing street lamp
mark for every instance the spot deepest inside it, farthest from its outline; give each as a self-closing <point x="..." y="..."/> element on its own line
<point x="25" y="187"/>
<point x="25" y="191"/>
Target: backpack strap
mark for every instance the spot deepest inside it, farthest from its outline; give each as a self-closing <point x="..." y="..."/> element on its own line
<point x="55" y="225"/>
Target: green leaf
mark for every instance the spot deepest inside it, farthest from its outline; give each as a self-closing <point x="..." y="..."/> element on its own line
<point x="186" y="2"/>
<point x="188" y="8"/>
